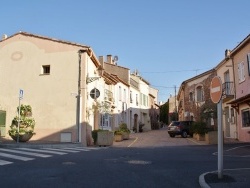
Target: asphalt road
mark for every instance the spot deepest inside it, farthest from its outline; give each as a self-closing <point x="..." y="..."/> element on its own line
<point x="149" y="160"/>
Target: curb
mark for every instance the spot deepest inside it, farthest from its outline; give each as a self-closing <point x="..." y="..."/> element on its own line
<point x="202" y="181"/>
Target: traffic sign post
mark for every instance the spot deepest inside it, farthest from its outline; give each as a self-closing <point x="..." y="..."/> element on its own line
<point x="19" y="109"/>
<point x="215" y="94"/>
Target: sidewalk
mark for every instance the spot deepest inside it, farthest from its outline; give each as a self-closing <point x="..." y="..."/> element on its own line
<point x="36" y="144"/>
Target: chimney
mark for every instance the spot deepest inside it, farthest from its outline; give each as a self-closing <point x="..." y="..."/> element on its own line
<point x="4" y="37"/>
<point x="227" y="53"/>
<point x="101" y="60"/>
<point x="109" y="59"/>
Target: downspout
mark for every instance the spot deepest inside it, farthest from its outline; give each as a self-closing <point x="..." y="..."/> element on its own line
<point x="236" y="114"/>
<point x="78" y="105"/>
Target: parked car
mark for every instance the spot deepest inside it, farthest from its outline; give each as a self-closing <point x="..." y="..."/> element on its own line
<point x="182" y="128"/>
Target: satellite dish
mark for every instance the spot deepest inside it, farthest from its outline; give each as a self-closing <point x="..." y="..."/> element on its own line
<point x="116" y="58"/>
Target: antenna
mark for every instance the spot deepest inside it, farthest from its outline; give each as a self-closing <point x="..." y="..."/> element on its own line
<point x="115" y="59"/>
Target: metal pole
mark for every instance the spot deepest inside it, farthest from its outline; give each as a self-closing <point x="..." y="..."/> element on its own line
<point x="18" y="127"/>
<point x="78" y="96"/>
<point x="220" y="141"/>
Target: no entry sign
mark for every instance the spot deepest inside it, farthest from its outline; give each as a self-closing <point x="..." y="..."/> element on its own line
<point x="216" y="89"/>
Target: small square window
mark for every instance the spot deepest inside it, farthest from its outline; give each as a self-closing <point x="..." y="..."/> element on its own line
<point x="46" y="69"/>
<point x="245" y="118"/>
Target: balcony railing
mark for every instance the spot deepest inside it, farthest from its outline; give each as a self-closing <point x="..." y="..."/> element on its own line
<point x="108" y="96"/>
<point x="227" y="91"/>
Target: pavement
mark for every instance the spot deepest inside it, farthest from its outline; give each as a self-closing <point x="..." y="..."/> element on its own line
<point x="231" y="178"/>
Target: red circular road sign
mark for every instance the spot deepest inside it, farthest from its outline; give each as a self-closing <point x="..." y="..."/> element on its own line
<point x="216" y="89"/>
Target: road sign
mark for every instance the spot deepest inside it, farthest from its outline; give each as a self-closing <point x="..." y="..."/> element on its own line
<point x="21" y="94"/>
<point x="94" y="93"/>
<point x="216" y="89"/>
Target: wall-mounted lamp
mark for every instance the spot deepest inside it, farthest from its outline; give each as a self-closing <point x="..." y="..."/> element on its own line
<point x="91" y="79"/>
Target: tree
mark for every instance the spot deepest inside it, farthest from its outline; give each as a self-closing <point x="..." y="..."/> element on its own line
<point x="164" y="110"/>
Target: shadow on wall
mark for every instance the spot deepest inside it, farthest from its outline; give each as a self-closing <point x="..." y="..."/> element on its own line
<point x="69" y="135"/>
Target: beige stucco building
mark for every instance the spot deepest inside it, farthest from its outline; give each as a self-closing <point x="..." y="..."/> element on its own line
<point x="70" y="90"/>
<point x="53" y="75"/>
<point x="225" y="71"/>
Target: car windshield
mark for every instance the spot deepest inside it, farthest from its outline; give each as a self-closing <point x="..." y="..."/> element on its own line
<point x="174" y="123"/>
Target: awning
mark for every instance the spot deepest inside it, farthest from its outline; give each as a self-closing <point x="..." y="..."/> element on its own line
<point x="242" y="100"/>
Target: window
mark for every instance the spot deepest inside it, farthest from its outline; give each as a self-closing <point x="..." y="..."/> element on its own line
<point x="137" y="102"/>
<point x="248" y="62"/>
<point x="46" y="69"/>
<point x="120" y="93"/>
<point x="191" y="96"/>
<point x="227" y="83"/>
<point x="245" y="118"/>
<point x="241" y="72"/>
<point x="199" y="94"/>
<point x="105" y="120"/>
<point x="232" y="112"/>
<point x="144" y="99"/>
<point x="131" y="97"/>
<point x="124" y="96"/>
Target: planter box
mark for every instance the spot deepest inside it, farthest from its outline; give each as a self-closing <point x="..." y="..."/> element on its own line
<point x="211" y="137"/>
<point x="125" y="135"/>
<point x="105" y="138"/>
<point x="22" y="138"/>
<point x="118" y="137"/>
<point x="199" y="137"/>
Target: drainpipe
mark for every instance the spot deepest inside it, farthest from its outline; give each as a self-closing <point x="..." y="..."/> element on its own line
<point x="78" y="97"/>
<point x="236" y="114"/>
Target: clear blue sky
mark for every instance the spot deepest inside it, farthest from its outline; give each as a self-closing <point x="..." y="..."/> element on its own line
<point x="167" y="41"/>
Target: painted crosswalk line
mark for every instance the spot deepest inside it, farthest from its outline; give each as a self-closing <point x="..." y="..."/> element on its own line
<point x="25" y="153"/>
<point x="63" y="150"/>
<point x="43" y="151"/>
<point x="15" y="157"/>
<point x="76" y="149"/>
<point x="2" y="162"/>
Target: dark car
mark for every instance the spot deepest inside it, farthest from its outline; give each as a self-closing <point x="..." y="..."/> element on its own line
<point x="182" y="128"/>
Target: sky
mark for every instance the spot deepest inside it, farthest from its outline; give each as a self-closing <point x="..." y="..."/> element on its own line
<point x="166" y="41"/>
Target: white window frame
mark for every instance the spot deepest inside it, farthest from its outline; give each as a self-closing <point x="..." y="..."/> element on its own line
<point x="120" y="93"/>
<point x="241" y="72"/>
<point x="199" y="94"/>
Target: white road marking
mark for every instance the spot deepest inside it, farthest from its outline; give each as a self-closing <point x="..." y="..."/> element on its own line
<point x="43" y="151"/>
<point x="2" y="162"/>
<point x="26" y="153"/>
<point x="64" y="150"/>
<point x="15" y="157"/>
<point x="77" y="149"/>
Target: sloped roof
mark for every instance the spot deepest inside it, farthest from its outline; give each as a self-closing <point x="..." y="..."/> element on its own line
<point x="85" y="47"/>
<point x="46" y="38"/>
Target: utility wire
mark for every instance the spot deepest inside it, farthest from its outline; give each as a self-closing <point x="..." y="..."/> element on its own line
<point x="192" y="70"/>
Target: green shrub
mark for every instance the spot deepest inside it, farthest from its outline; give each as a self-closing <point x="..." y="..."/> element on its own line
<point x="123" y="128"/>
<point x="118" y="132"/>
<point x="26" y="124"/>
<point x="199" y="128"/>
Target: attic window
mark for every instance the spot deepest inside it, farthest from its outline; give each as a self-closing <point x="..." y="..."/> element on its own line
<point x="46" y="69"/>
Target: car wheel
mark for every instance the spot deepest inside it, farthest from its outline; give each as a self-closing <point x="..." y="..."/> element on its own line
<point x="184" y="134"/>
<point x="172" y="135"/>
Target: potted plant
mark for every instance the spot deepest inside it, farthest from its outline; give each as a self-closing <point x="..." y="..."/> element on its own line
<point x="26" y="125"/>
<point x="124" y="130"/>
<point x="118" y="136"/>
